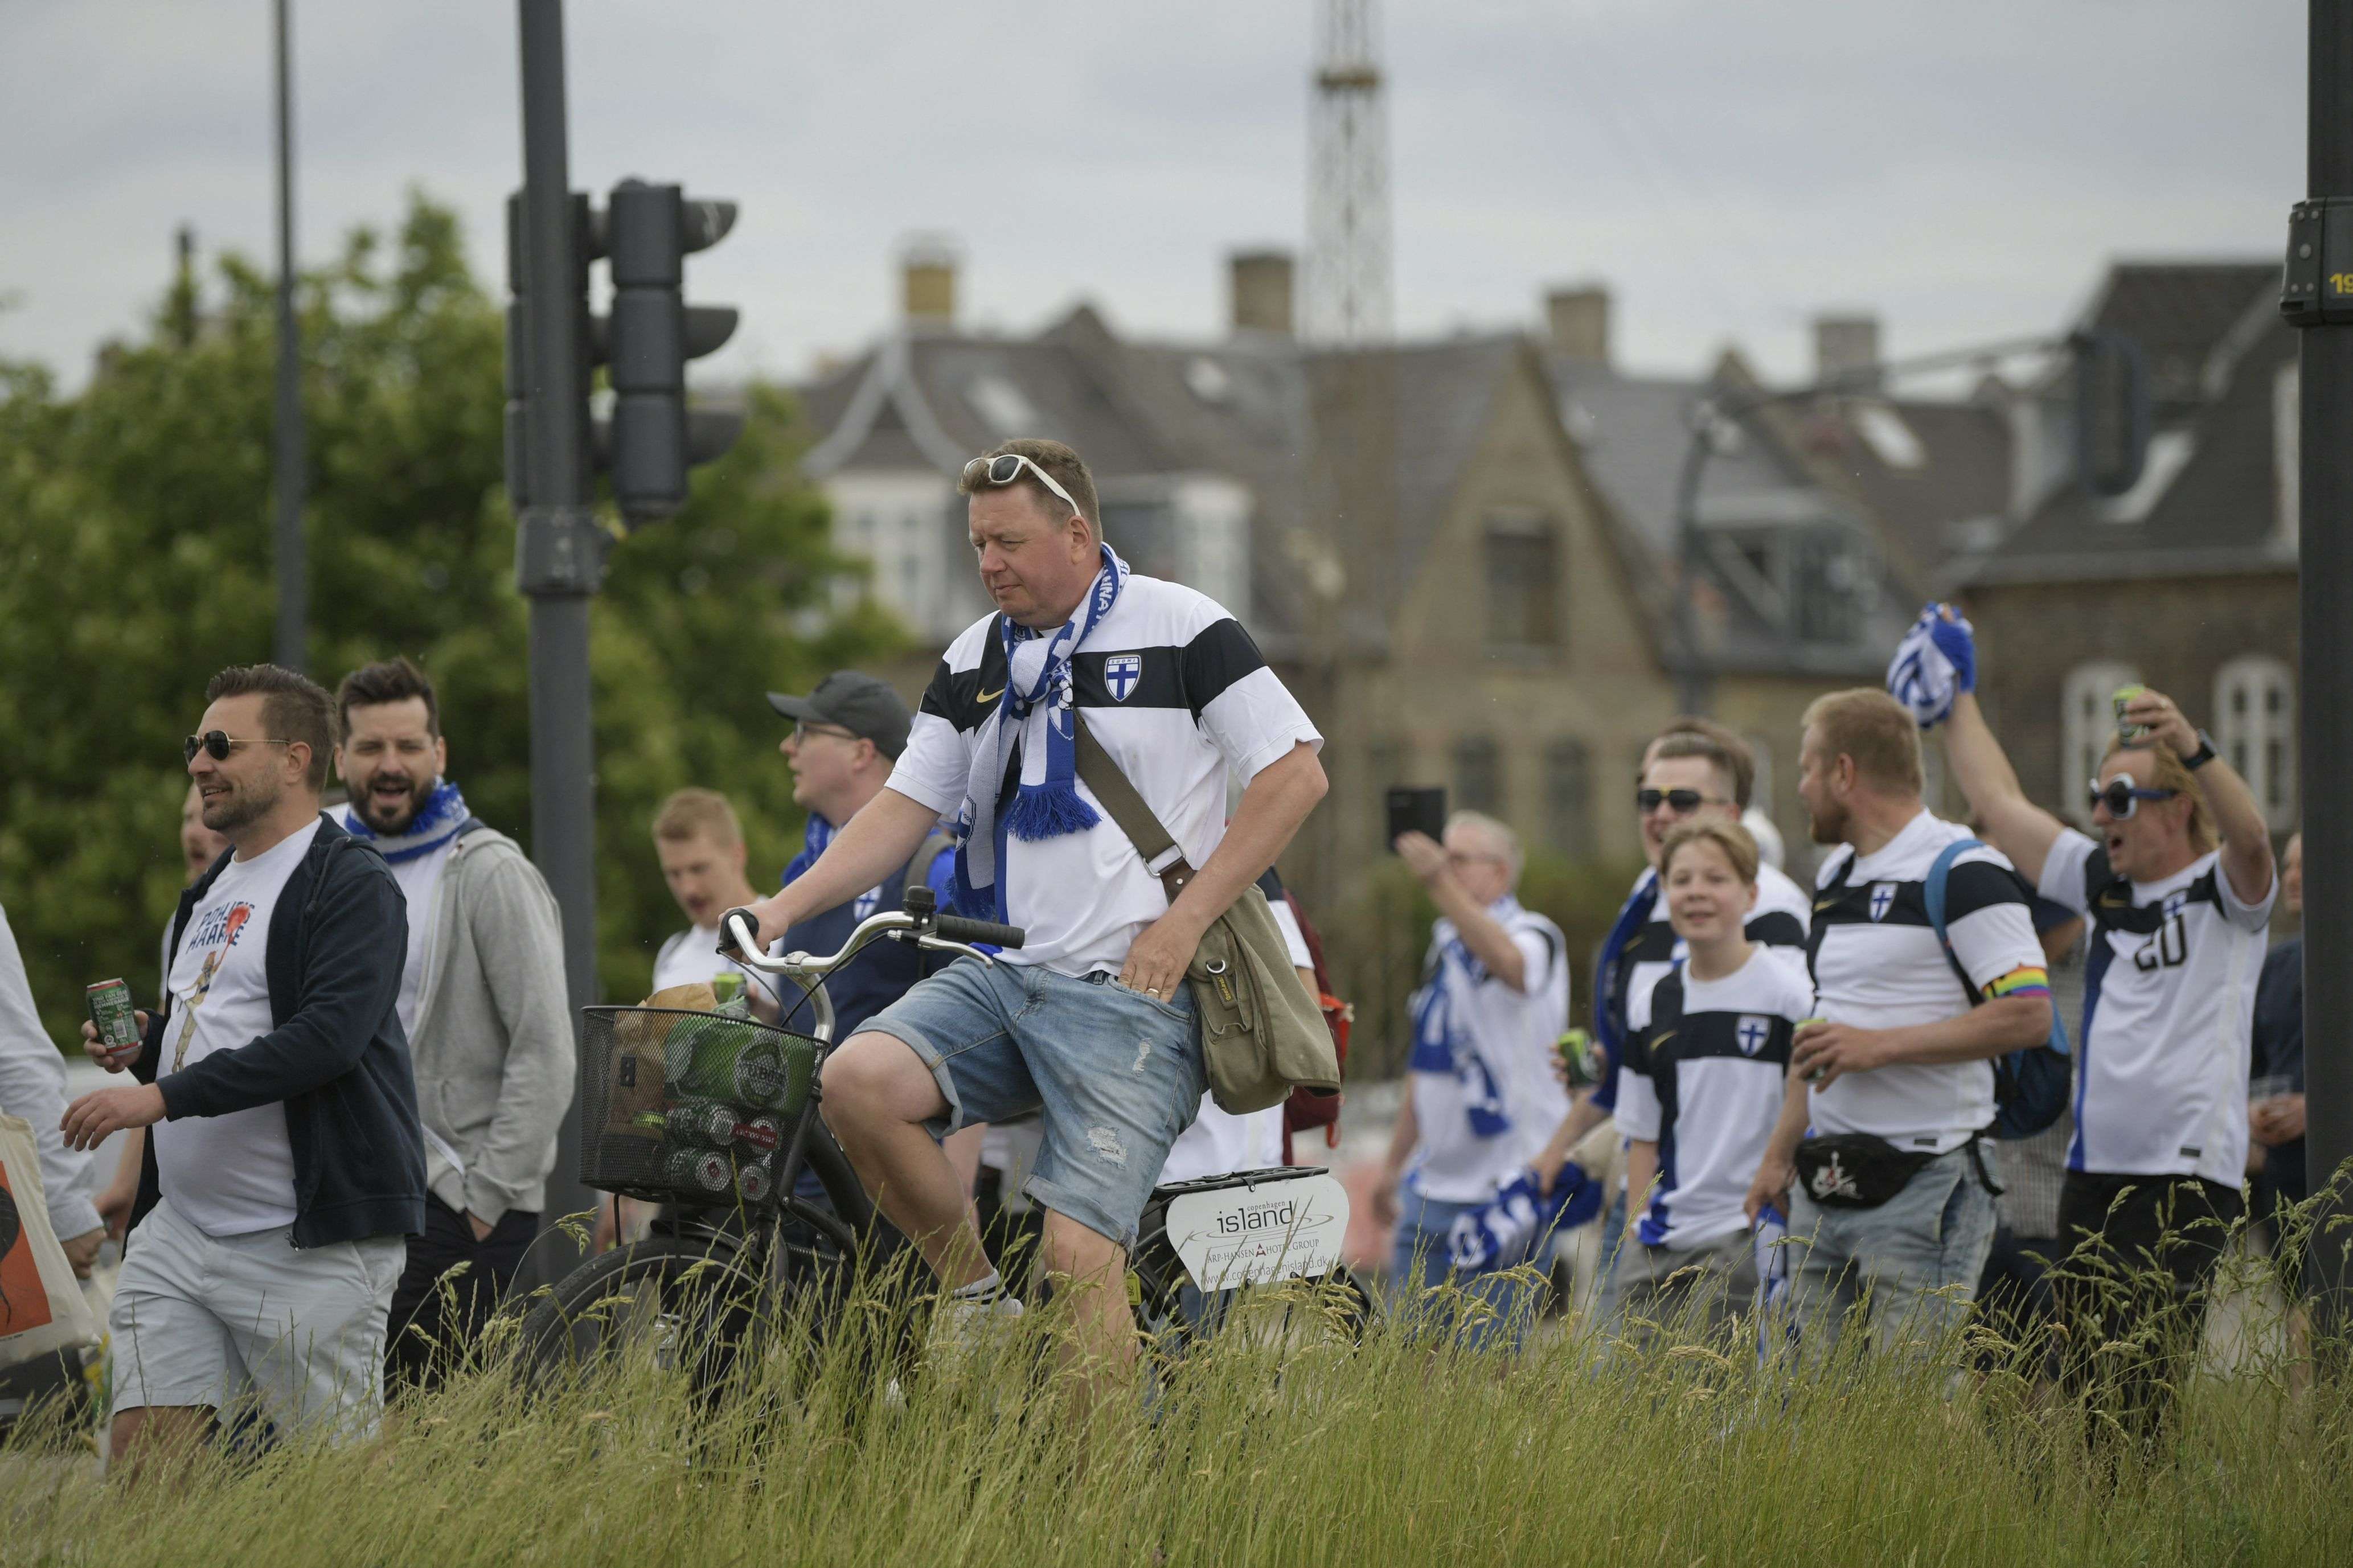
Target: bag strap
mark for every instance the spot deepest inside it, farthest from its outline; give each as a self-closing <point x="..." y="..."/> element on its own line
<point x="918" y="872"/>
<point x="1932" y="893"/>
<point x="1127" y="808"/>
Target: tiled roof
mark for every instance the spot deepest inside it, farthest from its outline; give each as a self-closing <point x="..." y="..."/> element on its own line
<point x="2180" y="311"/>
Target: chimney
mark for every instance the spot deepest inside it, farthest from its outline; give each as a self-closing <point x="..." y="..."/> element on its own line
<point x="1578" y="319"/>
<point x="927" y="279"/>
<point x="1260" y="287"/>
<point x="1844" y="347"/>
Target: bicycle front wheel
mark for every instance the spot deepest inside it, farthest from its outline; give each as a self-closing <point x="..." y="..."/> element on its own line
<point x="673" y="1305"/>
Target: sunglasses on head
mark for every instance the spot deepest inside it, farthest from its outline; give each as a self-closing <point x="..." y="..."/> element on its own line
<point x="2123" y="797"/>
<point x="217" y="744"/>
<point x="1006" y="467"/>
<point x="1684" y="801"/>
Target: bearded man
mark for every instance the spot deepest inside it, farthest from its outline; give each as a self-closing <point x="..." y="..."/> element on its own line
<point x="482" y="1003"/>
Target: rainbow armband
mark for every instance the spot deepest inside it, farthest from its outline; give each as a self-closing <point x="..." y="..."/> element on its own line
<point x="2031" y="981"/>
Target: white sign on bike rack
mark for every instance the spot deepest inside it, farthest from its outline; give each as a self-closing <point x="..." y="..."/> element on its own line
<point x="1250" y="1235"/>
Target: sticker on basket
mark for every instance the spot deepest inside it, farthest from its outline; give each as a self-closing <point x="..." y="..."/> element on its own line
<point x="1250" y="1235"/>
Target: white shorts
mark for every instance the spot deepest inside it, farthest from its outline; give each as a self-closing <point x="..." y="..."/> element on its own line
<point x="220" y="1321"/>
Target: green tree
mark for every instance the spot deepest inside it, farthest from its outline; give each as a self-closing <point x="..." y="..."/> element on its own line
<point x="135" y="560"/>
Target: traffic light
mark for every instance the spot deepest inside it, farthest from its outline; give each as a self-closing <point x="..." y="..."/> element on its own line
<point x="587" y="245"/>
<point x="2112" y="415"/>
<point x="655" y="437"/>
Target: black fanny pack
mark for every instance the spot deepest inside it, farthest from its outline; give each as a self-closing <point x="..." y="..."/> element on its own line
<point x="1855" y="1169"/>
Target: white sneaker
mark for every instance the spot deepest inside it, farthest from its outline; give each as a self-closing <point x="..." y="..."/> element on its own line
<point x="963" y="1329"/>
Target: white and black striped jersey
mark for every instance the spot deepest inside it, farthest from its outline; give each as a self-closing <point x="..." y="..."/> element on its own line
<point x="1704" y="1081"/>
<point x="1877" y="965"/>
<point x="1780" y="922"/>
<point x="2169" y="1013"/>
<point x="1178" y="694"/>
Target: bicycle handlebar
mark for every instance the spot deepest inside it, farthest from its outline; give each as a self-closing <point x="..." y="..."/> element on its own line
<point x="940" y="933"/>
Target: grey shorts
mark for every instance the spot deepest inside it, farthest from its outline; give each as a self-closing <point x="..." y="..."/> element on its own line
<point x="1116" y="1075"/>
<point x="221" y="1321"/>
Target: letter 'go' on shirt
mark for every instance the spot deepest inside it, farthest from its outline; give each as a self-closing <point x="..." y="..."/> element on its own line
<point x="2169" y="984"/>
<point x="1877" y="964"/>
<point x="232" y="1174"/>
<point x="1179" y="694"/>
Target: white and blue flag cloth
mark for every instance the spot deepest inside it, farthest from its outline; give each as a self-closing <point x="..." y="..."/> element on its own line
<point x="1509" y="1230"/>
<point x="1936" y="662"/>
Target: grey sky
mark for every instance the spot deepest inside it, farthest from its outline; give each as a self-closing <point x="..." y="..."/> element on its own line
<point x="1729" y="169"/>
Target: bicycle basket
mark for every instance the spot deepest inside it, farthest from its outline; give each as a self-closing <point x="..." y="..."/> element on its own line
<point x="680" y="1106"/>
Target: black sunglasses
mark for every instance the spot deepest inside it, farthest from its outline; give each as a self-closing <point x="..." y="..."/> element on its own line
<point x="2123" y="797"/>
<point x="1684" y="801"/>
<point x="217" y="744"/>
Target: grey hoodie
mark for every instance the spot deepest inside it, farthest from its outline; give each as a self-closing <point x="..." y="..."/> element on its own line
<point x="493" y="1045"/>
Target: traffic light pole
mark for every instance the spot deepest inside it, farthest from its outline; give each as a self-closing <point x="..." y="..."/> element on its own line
<point x="2325" y="471"/>
<point x="559" y="563"/>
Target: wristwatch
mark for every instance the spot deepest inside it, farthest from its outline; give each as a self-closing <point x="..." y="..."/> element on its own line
<point x="2202" y="755"/>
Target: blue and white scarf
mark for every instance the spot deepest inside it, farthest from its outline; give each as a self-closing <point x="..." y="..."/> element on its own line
<point x="437" y="822"/>
<point x="1442" y="1044"/>
<point x="1036" y="709"/>
<point x="1512" y="1227"/>
<point x="1936" y="662"/>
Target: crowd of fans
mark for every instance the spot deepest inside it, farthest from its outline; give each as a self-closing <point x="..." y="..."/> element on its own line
<point x="1819" y="1113"/>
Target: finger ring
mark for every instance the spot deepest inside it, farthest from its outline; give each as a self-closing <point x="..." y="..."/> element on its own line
<point x="1152" y="991"/>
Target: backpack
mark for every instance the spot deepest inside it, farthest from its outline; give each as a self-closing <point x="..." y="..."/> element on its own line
<point x="1307" y="1108"/>
<point x="2030" y="1086"/>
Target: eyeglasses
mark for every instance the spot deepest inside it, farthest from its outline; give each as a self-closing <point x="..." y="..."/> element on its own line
<point x="803" y="730"/>
<point x="1006" y="467"/>
<point x="217" y="744"/>
<point x="1683" y="801"/>
<point x="2123" y="797"/>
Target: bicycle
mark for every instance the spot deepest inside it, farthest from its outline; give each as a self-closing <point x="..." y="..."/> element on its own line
<point x="702" y="1295"/>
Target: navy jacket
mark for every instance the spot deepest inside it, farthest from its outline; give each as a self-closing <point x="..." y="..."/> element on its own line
<point x="335" y="1053"/>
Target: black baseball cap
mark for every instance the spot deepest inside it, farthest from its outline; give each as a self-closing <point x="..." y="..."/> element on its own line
<point x="862" y="704"/>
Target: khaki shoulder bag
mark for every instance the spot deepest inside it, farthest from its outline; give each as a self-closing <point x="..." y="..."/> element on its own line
<point x="1262" y="1034"/>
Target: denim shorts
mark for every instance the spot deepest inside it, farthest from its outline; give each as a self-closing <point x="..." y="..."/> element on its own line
<point x="1116" y="1075"/>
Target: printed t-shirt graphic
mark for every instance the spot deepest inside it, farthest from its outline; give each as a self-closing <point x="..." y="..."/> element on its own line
<point x="229" y="1176"/>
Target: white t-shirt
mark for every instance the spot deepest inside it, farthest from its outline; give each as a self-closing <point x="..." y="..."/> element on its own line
<point x="228" y="1174"/>
<point x="2168" y="1015"/>
<point x="1218" y="1143"/>
<point x="1704" y="1081"/>
<point x="1877" y="964"/>
<point x="1511" y="1035"/>
<point x="1177" y="694"/>
<point x="419" y="878"/>
<point x="693" y="955"/>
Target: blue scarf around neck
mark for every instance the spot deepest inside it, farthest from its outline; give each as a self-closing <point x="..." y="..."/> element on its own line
<point x="436" y="824"/>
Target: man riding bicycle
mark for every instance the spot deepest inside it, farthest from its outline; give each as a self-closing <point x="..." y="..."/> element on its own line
<point x="1090" y="1023"/>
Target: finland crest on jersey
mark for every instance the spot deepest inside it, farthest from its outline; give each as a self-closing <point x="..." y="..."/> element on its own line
<point x="1882" y="899"/>
<point x="1121" y="672"/>
<point x="1751" y="1033"/>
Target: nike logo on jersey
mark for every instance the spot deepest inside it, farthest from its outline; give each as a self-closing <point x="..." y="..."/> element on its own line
<point x="992" y="695"/>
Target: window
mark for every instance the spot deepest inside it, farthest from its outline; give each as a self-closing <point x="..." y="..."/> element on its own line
<point x="1831" y="594"/>
<point x="1569" y="800"/>
<point x="1383" y="770"/>
<point x="2255" y="730"/>
<point x="1145" y="534"/>
<point x="1479" y="775"/>
<point x="2087" y="724"/>
<point x="1522" y="582"/>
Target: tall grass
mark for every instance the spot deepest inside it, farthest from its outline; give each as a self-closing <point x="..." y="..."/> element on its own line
<point x="1262" y="1449"/>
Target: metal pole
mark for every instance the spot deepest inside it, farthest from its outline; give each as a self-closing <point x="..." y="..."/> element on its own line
<point x="559" y="560"/>
<point x="1691" y="680"/>
<point x="2325" y="638"/>
<point x="289" y="459"/>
